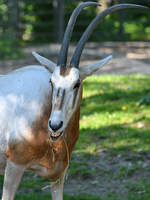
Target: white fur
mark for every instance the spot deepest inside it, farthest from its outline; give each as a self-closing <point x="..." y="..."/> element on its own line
<point x="22" y="95"/>
<point x="65" y="83"/>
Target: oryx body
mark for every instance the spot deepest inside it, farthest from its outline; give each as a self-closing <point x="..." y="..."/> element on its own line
<point x="40" y="110"/>
<point x="24" y="136"/>
<point x="21" y="107"/>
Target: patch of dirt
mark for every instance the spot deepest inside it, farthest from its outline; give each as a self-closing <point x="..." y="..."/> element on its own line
<point x="113" y="173"/>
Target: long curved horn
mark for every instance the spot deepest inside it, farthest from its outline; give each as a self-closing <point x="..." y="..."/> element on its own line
<point x="62" y="59"/>
<point x="78" y="51"/>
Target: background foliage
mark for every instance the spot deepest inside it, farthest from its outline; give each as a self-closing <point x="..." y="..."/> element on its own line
<point x="37" y="22"/>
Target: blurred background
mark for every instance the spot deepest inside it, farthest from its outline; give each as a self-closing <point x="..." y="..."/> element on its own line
<point x="30" y="22"/>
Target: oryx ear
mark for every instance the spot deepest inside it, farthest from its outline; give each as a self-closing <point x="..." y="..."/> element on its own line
<point x="92" y="68"/>
<point x="44" y="61"/>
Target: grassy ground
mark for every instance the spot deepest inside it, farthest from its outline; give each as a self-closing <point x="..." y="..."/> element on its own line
<point x="111" y="160"/>
<point x="115" y="124"/>
<point x="115" y="109"/>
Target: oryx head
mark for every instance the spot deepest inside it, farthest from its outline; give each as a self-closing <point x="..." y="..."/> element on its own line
<point x="66" y="78"/>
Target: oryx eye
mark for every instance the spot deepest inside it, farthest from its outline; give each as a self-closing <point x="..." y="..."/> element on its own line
<point x="77" y="85"/>
<point x="50" y="82"/>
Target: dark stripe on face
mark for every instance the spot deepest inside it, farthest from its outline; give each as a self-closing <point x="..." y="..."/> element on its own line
<point x="58" y="91"/>
<point x="75" y="96"/>
<point x="59" y="100"/>
<point x="62" y="100"/>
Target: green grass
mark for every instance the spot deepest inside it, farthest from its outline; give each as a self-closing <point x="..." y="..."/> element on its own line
<point x="115" y="118"/>
<point x="111" y="111"/>
<point x="114" y="142"/>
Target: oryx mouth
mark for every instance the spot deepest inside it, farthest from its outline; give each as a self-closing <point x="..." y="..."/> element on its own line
<point x="55" y="135"/>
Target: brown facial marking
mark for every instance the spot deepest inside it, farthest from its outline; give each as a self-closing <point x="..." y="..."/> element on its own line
<point x="51" y="85"/>
<point x="62" y="100"/>
<point x="58" y="91"/>
<point x="59" y="100"/>
<point x="75" y="96"/>
<point x="64" y="72"/>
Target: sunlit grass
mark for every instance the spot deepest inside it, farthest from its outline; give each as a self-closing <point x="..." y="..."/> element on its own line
<point x="111" y="110"/>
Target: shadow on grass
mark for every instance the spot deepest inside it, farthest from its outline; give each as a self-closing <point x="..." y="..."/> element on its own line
<point x="113" y="98"/>
<point x="119" y="137"/>
<point x="117" y="92"/>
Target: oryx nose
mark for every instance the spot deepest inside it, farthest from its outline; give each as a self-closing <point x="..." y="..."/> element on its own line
<point x="55" y="127"/>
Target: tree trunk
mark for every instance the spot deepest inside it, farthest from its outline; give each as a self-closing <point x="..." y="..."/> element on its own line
<point x="13" y="18"/>
<point x="103" y="5"/>
<point x="122" y="14"/>
<point x="59" y="19"/>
